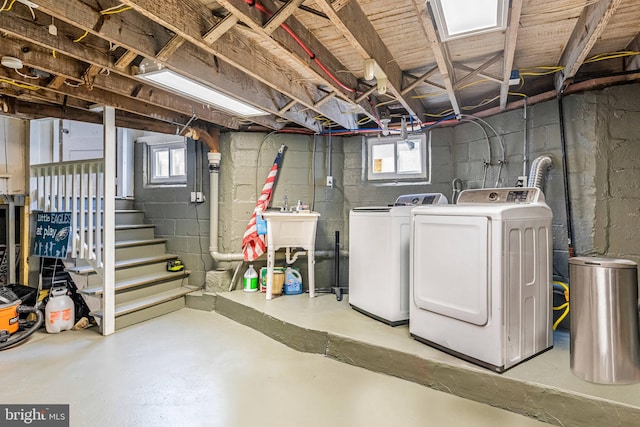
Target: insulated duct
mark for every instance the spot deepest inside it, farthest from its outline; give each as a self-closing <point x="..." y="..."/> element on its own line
<point x="538" y="171"/>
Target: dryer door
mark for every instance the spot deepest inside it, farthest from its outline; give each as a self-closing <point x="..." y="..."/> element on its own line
<point x="450" y="266"/>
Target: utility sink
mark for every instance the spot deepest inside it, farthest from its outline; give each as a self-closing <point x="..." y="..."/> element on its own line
<point x="291" y="230"/>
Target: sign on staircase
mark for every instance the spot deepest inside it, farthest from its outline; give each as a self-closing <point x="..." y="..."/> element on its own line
<point x="52" y="234"/>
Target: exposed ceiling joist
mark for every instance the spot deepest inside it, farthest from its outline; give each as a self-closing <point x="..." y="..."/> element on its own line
<point x="170" y="48"/>
<point x="30" y="110"/>
<point x="224" y="25"/>
<point x="588" y="28"/>
<point x="354" y="25"/>
<point x="475" y="72"/>
<point x="478" y="71"/>
<point x="281" y="15"/>
<point x="510" y="39"/>
<point x="256" y="62"/>
<point x="418" y="81"/>
<point x="66" y="68"/>
<point x="439" y="52"/>
<point x="314" y="56"/>
<point x="146" y="38"/>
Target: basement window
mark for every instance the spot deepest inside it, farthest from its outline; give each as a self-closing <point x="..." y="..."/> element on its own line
<point x="394" y="158"/>
<point x="462" y="18"/>
<point x="165" y="160"/>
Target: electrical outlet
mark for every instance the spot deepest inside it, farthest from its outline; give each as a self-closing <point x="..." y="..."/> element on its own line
<point x="522" y="181"/>
<point x="330" y="181"/>
<point x="197" y="197"/>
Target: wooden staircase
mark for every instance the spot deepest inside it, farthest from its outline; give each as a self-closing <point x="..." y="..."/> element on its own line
<point x="144" y="288"/>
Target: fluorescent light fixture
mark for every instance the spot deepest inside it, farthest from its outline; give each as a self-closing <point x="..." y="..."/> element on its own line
<point x="176" y="83"/>
<point x="462" y="18"/>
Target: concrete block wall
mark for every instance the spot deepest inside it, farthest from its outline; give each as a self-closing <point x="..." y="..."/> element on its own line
<point x="618" y="173"/>
<point x="185" y="225"/>
<point x="246" y="161"/>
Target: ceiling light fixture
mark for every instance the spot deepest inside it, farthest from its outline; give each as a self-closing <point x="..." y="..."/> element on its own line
<point x="155" y="74"/>
<point x="462" y="18"/>
<point x="11" y="62"/>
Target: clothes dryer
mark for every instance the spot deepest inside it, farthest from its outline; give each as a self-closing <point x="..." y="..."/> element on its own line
<point x="480" y="276"/>
<point x="379" y="257"/>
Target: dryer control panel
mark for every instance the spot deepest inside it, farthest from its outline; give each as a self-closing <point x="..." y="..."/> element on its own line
<point x="502" y="195"/>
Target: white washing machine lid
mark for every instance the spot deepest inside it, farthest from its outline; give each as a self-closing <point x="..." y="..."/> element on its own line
<point x="405" y="203"/>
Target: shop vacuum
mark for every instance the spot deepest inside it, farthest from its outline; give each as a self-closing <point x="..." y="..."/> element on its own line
<point x="13" y="329"/>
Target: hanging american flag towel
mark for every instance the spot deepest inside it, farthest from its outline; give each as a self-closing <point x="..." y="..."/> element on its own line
<point x="253" y="245"/>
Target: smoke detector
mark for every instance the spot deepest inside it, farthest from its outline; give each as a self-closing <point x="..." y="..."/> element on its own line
<point x="11" y="62"/>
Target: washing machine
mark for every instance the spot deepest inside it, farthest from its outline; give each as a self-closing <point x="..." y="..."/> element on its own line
<point x="480" y="276"/>
<point x="379" y="257"/>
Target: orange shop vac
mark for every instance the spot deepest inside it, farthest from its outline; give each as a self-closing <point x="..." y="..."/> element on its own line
<point x="13" y="329"/>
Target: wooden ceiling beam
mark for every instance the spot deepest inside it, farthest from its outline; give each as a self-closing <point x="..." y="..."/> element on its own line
<point x="285" y="47"/>
<point x="190" y="19"/>
<point x="510" y="42"/>
<point x="354" y="25"/>
<point x="104" y="97"/>
<point x="170" y="48"/>
<point x="65" y="67"/>
<point x="281" y="15"/>
<point x="30" y="110"/>
<point x="589" y="26"/>
<point x="122" y="64"/>
<point x="419" y="80"/>
<point x="478" y="71"/>
<point x="221" y="27"/>
<point x="440" y="54"/>
<point x="146" y="37"/>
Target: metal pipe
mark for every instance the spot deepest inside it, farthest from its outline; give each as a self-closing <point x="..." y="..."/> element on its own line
<point x="538" y="169"/>
<point x="567" y="196"/>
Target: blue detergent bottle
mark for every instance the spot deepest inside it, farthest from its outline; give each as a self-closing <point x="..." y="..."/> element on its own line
<point x="292" y="282"/>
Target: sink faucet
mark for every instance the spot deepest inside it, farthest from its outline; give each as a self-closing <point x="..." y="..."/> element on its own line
<point x="286" y="203"/>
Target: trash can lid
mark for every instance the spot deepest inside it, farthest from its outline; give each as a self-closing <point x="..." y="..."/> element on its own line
<point x="603" y="262"/>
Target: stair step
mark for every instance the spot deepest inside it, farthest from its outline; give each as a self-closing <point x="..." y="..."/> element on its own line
<point x="128" y="263"/>
<point x="132" y="243"/>
<point x="134" y="226"/>
<point x="137" y="281"/>
<point x="142" y="303"/>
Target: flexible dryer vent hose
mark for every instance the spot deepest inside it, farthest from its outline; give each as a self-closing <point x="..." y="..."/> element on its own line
<point x="538" y="170"/>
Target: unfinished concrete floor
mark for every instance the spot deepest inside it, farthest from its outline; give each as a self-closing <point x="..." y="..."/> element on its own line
<point x="195" y="368"/>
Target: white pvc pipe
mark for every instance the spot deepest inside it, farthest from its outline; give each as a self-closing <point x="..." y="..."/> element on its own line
<point x="214" y="180"/>
<point x="214" y="183"/>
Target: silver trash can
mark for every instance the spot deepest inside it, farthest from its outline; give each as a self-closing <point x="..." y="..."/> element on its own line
<point x="604" y="320"/>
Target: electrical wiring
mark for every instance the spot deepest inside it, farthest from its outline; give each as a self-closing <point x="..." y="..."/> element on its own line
<point x="8" y="8"/>
<point x="26" y="76"/>
<point x="564" y="306"/>
<point x="611" y="55"/>
<point x="115" y="9"/>
<point x="20" y="85"/>
<point x="86" y="33"/>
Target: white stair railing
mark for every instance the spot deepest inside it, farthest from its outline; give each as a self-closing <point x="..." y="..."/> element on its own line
<point x="76" y="187"/>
